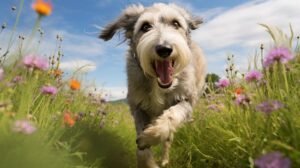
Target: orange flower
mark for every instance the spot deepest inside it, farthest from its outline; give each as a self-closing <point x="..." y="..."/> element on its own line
<point x="74" y="84"/>
<point x="42" y="8"/>
<point x="57" y="73"/>
<point x="68" y="120"/>
<point x="239" y="91"/>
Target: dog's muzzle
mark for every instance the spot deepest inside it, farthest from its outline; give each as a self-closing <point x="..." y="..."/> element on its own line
<point x="164" y="67"/>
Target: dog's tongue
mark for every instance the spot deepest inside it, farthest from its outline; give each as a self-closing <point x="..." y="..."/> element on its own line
<point x="164" y="71"/>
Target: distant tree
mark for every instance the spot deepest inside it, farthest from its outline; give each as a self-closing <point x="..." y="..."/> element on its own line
<point x="210" y="80"/>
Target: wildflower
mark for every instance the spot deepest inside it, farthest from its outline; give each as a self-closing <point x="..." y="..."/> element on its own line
<point x="40" y="63"/>
<point x="13" y="8"/>
<point x="238" y="91"/>
<point x="17" y="79"/>
<point x="253" y="76"/>
<point x="273" y="160"/>
<point x="1" y="74"/>
<point x="222" y="83"/>
<point x="42" y="8"/>
<point x="242" y="99"/>
<point x="51" y="90"/>
<point x="3" y="26"/>
<point x="269" y="106"/>
<point x="57" y="73"/>
<point x="81" y="114"/>
<point x="74" y="84"/>
<point x="24" y="126"/>
<point x="31" y="61"/>
<point x="68" y="120"/>
<point x="279" y="54"/>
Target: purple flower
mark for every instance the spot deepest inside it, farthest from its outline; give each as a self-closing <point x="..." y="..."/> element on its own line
<point x="253" y="75"/>
<point x="1" y="74"/>
<point x="28" y="61"/>
<point x="51" y="90"/>
<point x="17" y="79"/>
<point x="273" y="160"/>
<point x="269" y="106"/>
<point x="24" y="126"/>
<point x="31" y="61"/>
<point x="222" y="83"/>
<point x="41" y="63"/>
<point x="280" y="54"/>
<point x="242" y="99"/>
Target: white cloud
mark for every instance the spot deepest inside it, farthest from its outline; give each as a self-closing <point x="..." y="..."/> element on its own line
<point x="209" y="14"/>
<point x="78" y="65"/>
<point x="237" y="29"/>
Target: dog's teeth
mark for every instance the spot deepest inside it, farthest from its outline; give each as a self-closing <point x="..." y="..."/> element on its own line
<point x="159" y="80"/>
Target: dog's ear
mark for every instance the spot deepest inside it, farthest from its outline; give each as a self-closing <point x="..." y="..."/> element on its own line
<point x="125" y="22"/>
<point x="195" y="22"/>
<point x="192" y="21"/>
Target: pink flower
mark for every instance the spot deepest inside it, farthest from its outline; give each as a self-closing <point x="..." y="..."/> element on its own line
<point x="242" y="99"/>
<point x="269" y="106"/>
<point x="32" y="61"/>
<point x="1" y="74"/>
<point x="279" y="54"/>
<point x="253" y="75"/>
<point x="51" y="90"/>
<point x="17" y="79"/>
<point x="28" y="61"/>
<point x="24" y="126"/>
<point x="222" y="83"/>
<point x="273" y="160"/>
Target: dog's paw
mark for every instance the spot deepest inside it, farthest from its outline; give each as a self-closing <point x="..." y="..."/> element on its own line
<point x="153" y="135"/>
<point x="164" y="163"/>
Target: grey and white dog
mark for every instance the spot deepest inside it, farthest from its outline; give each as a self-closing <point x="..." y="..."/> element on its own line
<point x="166" y="72"/>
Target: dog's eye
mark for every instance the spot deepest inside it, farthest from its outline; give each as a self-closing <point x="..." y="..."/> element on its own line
<point x="176" y="24"/>
<point x="146" y="27"/>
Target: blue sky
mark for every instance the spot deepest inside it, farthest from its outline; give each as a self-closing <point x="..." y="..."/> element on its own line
<point x="231" y="27"/>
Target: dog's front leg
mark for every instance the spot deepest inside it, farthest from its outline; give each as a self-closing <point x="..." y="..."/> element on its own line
<point x="165" y="125"/>
<point x="166" y="149"/>
<point x="145" y="158"/>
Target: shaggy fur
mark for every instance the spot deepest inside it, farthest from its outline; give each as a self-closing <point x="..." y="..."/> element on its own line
<point x="158" y="104"/>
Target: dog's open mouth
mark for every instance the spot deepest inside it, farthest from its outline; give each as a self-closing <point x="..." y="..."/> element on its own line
<point x="164" y="70"/>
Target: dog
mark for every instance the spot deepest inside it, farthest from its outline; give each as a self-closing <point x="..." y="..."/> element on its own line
<point x="165" y="71"/>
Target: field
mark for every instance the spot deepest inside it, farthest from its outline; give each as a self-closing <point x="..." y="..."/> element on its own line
<point x="248" y="119"/>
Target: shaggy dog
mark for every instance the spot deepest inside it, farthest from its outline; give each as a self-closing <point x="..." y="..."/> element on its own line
<point x="165" y="70"/>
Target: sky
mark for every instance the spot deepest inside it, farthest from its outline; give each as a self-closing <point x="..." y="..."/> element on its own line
<point x="230" y="27"/>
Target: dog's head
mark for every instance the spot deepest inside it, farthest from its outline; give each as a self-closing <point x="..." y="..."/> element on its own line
<point x="159" y="37"/>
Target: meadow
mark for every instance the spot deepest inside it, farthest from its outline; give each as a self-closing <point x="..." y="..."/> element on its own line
<point x="48" y="119"/>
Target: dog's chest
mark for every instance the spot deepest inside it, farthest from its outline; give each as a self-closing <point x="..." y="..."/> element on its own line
<point x="155" y="103"/>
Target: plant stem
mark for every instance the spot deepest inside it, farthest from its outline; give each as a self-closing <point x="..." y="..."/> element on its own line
<point x="10" y="42"/>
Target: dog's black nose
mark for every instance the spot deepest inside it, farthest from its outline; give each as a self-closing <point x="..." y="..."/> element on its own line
<point x="163" y="51"/>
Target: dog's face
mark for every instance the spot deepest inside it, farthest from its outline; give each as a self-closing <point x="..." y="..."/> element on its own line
<point x="159" y="37"/>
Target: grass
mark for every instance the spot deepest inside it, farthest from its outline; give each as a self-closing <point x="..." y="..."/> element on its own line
<point x="75" y="128"/>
